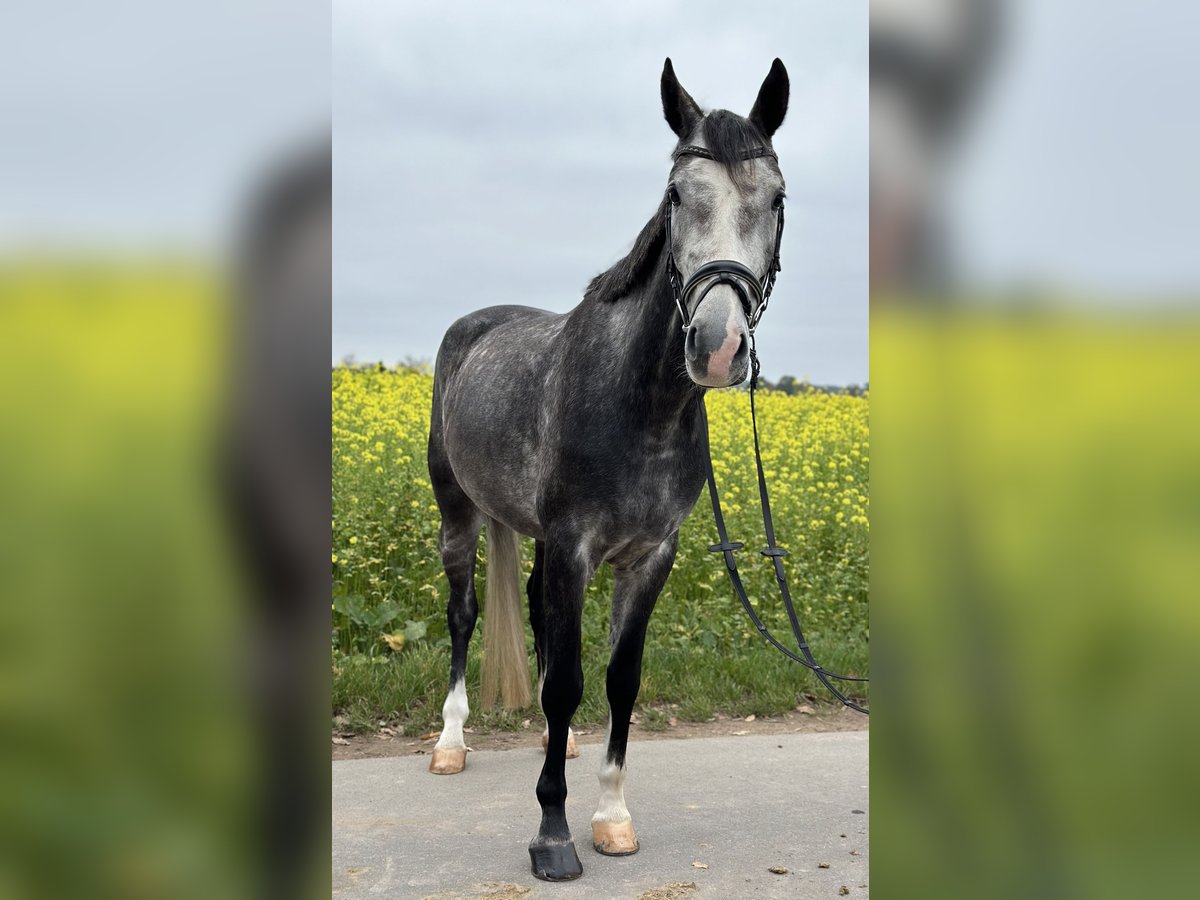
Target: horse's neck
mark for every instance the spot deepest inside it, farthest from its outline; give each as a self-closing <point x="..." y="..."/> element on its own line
<point x="653" y="378"/>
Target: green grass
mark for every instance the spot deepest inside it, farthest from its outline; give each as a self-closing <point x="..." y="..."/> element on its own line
<point x="407" y="689"/>
<point x="391" y="655"/>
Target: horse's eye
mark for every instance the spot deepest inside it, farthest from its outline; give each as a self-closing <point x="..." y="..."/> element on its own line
<point x="777" y="203"/>
<point x="673" y="195"/>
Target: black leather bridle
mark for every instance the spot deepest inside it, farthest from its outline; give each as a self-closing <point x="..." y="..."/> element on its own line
<point x="728" y="271"/>
<point x="754" y="293"/>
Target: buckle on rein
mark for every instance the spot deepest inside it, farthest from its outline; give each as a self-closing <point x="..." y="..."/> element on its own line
<point x="730" y="546"/>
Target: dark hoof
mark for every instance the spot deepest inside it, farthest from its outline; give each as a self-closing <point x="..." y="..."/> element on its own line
<point x="555" y="862"/>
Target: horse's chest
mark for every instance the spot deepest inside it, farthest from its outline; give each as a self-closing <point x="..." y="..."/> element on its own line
<point x="648" y="499"/>
<point x="662" y="493"/>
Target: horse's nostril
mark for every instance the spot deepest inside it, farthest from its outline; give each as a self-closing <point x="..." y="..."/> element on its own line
<point x="742" y="349"/>
<point x="689" y="343"/>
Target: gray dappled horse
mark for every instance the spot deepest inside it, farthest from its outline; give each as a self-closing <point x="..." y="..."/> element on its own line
<point x="585" y="431"/>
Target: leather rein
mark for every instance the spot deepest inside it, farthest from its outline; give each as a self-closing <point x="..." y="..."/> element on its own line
<point x="748" y="286"/>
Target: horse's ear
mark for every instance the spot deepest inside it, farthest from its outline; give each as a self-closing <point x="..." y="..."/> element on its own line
<point x="681" y="111"/>
<point x="772" y="103"/>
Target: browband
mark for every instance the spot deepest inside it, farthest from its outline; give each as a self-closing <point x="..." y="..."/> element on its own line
<point x="693" y="150"/>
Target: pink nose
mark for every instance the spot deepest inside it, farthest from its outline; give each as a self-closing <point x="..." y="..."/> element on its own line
<point x="717" y="351"/>
<point x="720" y="360"/>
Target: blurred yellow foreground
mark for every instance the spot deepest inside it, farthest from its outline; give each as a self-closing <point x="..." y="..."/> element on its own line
<point x="126" y="757"/>
<point x="1035" y="563"/>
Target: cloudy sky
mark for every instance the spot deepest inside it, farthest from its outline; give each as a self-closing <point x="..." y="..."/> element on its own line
<point x="506" y="153"/>
<point x="1079" y="171"/>
<point x="140" y="126"/>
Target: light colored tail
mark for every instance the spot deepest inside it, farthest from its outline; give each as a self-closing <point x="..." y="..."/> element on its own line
<point x="505" y="663"/>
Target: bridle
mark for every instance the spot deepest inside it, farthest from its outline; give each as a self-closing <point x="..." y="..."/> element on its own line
<point x="722" y="271"/>
<point x="728" y="271"/>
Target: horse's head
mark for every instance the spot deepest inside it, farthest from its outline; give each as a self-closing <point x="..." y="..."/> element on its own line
<point x="724" y="220"/>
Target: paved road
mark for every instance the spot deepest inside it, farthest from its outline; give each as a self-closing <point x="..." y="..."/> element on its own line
<point x="737" y="804"/>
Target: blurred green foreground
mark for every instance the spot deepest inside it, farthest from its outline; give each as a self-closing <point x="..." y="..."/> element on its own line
<point x="125" y="748"/>
<point x="1035" y="563"/>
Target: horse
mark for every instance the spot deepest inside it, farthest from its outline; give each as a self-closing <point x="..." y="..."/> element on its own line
<point x="586" y="432"/>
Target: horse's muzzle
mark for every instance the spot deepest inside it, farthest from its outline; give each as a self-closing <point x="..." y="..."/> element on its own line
<point x="717" y="345"/>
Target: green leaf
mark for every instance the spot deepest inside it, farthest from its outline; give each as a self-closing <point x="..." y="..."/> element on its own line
<point x="414" y="631"/>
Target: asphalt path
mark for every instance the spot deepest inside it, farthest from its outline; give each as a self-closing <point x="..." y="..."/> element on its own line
<point x="713" y="816"/>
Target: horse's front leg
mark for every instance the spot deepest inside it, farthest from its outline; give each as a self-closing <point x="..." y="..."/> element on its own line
<point x="564" y="579"/>
<point x="534" y="589"/>
<point x="635" y="591"/>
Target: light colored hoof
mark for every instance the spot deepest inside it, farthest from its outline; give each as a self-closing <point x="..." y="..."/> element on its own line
<point x="448" y="760"/>
<point x="572" y="748"/>
<point x="614" y="838"/>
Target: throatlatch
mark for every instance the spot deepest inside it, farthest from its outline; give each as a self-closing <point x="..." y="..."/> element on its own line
<point x="773" y="552"/>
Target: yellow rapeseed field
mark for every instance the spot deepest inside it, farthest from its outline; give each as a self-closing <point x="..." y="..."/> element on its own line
<point x="389" y="589"/>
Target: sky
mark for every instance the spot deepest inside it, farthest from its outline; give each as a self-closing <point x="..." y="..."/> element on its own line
<point x="493" y="153"/>
<point x="1079" y="171"/>
<point x="140" y="127"/>
<point x="507" y="153"/>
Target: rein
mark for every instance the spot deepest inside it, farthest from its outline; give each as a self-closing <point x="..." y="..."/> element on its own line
<point x="743" y="280"/>
<point x="773" y="552"/>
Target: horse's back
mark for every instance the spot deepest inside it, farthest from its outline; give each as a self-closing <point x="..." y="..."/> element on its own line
<point x="464" y="333"/>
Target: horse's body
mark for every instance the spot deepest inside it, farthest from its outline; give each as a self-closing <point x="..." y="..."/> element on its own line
<point x="585" y="432"/>
<point x="548" y="436"/>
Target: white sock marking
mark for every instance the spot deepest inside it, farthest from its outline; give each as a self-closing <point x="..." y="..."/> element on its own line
<point x="612" y="795"/>
<point x="454" y="714"/>
<point x="612" y="788"/>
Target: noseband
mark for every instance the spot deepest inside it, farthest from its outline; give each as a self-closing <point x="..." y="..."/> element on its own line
<point x="753" y="293"/>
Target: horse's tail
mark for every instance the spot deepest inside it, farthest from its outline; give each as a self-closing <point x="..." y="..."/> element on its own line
<point x="505" y="664"/>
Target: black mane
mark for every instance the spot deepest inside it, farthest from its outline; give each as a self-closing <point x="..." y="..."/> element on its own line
<point x="635" y="267"/>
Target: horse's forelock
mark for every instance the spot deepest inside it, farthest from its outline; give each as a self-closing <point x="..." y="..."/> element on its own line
<point x="729" y="138"/>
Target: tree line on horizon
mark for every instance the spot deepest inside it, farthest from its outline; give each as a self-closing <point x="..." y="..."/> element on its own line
<point x="788" y="384"/>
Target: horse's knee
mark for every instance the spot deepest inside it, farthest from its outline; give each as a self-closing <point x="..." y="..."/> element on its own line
<point x="572" y="747"/>
<point x="562" y="689"/>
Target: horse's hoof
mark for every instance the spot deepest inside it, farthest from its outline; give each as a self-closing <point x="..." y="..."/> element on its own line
<point x="614" y="838"/>
<point x="555" y="862"/>
<point x="448" y="760"/>
<point x="572" y="747"/>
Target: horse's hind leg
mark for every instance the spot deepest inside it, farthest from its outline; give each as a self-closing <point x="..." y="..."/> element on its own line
<point x="461" y="523"/>
<point x="635" y="591"/>
<point x="534" y="589"/>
